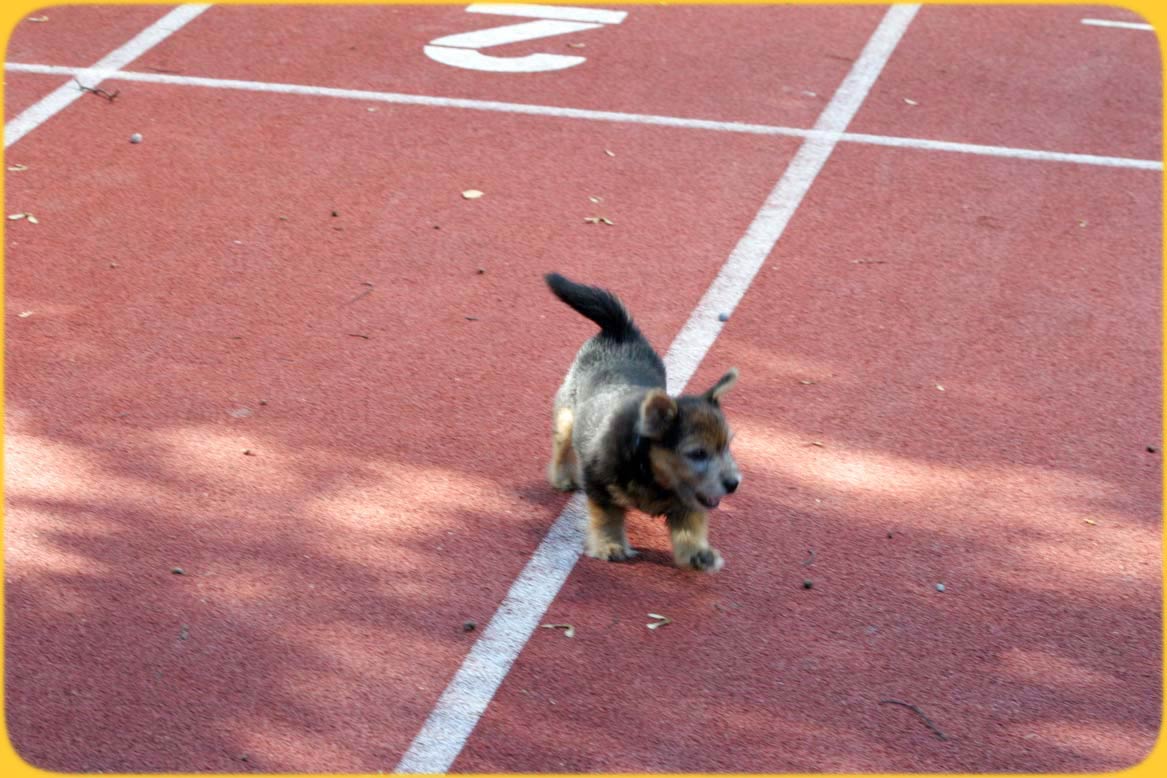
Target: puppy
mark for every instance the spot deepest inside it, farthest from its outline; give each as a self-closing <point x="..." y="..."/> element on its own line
<point x="628" y="444"/>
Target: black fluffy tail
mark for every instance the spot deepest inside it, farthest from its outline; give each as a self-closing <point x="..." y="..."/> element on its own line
<point x="599" y="305"/>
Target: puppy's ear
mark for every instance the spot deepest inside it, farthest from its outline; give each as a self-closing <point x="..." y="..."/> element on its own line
<point x="657" y="413"/>
<point x="723" y="385"/>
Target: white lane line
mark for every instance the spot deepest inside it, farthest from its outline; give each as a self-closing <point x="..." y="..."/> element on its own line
<point x="723" y="295"/>
<point x="1121" y="25"/>
<point x="48" y="106"/>
<point x="425" y="100"/>
<point x="465" y="699"/>
<point x="604" y="116"/>
<point x="1038" y="155"/>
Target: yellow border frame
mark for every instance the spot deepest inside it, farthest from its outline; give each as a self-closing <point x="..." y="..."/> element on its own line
<point x="11" y="13"/>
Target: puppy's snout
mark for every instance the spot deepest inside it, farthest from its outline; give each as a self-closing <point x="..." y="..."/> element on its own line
<point x="731" y="484"/>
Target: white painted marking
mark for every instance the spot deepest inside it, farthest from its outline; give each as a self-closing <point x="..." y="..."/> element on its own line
<point x="512" y="33"/>
<point x="60" y="98"/>
<point x="563" y="12"/>
<point x="604" y="116"/>
<point x="466" y="697"/>
<point x="723" y="295"/>
<point x="550" y="21"/>
<point x="469" y="59"/>
<point x="1120" y="25"/>
<point x="460" y="50"/>
<point x="1037" y="155"/>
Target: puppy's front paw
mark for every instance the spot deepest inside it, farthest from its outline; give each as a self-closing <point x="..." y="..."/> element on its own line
<point x="610" y="552"/>
<point x="707" y="560"/>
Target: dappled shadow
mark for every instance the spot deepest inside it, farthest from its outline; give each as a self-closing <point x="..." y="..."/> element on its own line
<point x="1024" y="662"/>
<point x="328" y="572"/>
<point x="163" y="616"/>
<point x="334" y="533"/>
<point x="1013" y="459"/>
<point x="345" y="478"/>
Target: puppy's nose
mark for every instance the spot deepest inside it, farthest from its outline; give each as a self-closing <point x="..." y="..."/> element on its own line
<point x="730" y="484"/>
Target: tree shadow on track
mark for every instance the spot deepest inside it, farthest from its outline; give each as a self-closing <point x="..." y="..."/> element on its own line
<point x="758" y="673"/>
<point x="177" y="605"/>
<point x="335" y="538"/>
<point x="1042" y="653"/>
<point x="339" y="513"/>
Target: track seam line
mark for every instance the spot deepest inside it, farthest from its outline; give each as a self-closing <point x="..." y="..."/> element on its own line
<point x="593" y="115"/>
<point x="466" y="697"/>
<point x="64" y="95"/>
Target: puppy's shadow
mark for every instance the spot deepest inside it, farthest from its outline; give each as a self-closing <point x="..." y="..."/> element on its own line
<point x="540" y="493"/>
<point x="548" y="502"/>
<point x="649" y="556"/>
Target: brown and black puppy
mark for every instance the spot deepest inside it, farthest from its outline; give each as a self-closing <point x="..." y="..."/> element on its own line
<point x="628" y="444"/>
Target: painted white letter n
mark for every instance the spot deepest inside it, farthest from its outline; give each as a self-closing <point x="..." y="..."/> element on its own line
<point x="462" y="50"/>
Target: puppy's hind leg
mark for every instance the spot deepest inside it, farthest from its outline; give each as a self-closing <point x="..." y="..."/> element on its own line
<point x="561" y="471"/>
<point x="606" y="537"/>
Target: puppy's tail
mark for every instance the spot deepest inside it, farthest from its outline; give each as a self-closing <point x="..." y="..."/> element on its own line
<point x="599" y="305"/>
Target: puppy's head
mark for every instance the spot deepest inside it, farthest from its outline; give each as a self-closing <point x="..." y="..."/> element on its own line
<point x="689" y="451"/>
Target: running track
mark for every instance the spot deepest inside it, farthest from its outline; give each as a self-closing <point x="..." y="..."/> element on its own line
<point x="273" y="346"/>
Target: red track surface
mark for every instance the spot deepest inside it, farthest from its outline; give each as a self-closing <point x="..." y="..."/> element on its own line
<point x="671" y="61"/>
<point x="193" y="297"/>
<point x="22" y="91"/>
<point x="75" y="36"/>
<point x="79" y="35"/>
<point x="1014" y="68"/>
<point x="1041" y="654"/>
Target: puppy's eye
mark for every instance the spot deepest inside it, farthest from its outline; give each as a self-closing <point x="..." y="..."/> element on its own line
<point x="698" y="455"/>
